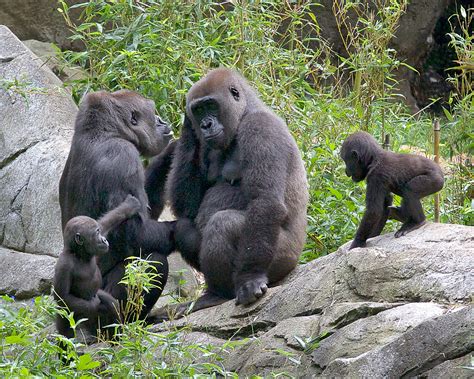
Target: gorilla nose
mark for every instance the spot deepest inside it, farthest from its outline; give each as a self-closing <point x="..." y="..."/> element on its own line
<point x="206" y="124"/>
<point x="105" y="242"/>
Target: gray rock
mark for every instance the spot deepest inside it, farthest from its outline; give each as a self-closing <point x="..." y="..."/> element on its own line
<point x="280" y="350"/>
<point x="458" y="368"/>
<point x="435" y="263"/>
<point x="37" y="122"/>
<point x="47" y="52"/>
<point x="35" y="132"/>
<point x="368" y="333"/>
<point x="359" y="309"/>
<point x="413" y="352"/>
<point x="38" y="19"/>
<point x="25" y="275"/>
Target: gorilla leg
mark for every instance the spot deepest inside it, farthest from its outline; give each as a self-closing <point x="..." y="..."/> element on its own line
<point x="411" y="212"/>
<point x="283" y="261"/>
<point x="216" y="257"/>
<point x="188" y="241"/>
<point x="160" y="262"/>
<point x="219" y="250"/>
<point x="396" y="213"/>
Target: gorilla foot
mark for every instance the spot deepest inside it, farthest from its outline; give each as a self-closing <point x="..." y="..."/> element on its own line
<point x="395" y="214"/>
<point x="251" y="290"/>
<point x="408" y="227"/>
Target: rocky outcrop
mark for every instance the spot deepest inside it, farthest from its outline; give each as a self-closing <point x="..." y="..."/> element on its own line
<point x="38" y="19"/>
<point x="35" y="132"/>
<point x="400" y="307"/>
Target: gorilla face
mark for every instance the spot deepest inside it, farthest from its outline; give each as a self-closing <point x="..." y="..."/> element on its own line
<point x="205" y="112"/>
<point x="151" y="134"/>
<point x="354" y="167"/>
<point x="83" y="233"/>
<point x="216" y="108"/>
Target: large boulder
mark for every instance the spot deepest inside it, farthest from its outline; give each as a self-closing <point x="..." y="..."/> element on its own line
<point x="39" y="19"/>
<point x="398" y="307"/>
<point x="35" y="133"/>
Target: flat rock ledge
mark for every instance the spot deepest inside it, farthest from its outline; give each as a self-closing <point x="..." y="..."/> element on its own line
<point x="398" y="308"/>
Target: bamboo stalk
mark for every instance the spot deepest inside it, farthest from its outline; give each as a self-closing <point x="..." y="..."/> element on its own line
<point x="437" y="132"/>
<point x="386" y="142"/>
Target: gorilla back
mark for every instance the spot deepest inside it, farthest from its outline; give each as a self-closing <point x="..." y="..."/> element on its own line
<point x="104" y="166"/>
<point x="237" y="184"/>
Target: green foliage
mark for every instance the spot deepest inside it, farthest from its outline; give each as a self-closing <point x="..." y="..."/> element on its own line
<point x="29" y="349"/>
<point x="161" y="48"/>
<point x="366" y="28"/>
<point x="140" y="277"/>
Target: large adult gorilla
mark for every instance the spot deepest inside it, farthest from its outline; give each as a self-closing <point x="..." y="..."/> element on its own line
<point x="237" y="184"/>
<point x="103" y="167"/>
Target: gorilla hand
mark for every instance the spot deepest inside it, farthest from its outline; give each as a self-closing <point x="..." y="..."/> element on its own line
<point x="251" y="289"/>
<point x="357" y="243"/>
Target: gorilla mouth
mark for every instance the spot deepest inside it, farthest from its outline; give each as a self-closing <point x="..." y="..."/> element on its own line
<point x="168" y="137"/>
<point x="213" y="136"/>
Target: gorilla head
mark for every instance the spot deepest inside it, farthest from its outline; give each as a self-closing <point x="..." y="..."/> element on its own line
<point x="359" y="152"/>
<point x="129" y="115"/>
<point x="83" y="237"/>
<point x="216" y="108"/>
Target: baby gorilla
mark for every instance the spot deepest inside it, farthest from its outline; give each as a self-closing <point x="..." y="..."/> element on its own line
<point x="410" y="176"/>
<point x="77" y="277"/>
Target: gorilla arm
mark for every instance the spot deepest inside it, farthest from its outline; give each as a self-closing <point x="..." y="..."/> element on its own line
<point x="186" y="190"/>
<point x="62" y="290"/>
<point x="377" y="201"/>
<point x="128" y="179"/>
<point x="155" y="179"/>
<point x="264" y="166"/>
<point x="186" y="183"/>
<point x="116" y="216"/>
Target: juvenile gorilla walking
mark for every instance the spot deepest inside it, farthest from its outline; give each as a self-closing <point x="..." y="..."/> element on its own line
<point x="77" y="277"/>
<point x="410" y="176"/>
<point x="239" y="190"/>
<point x="103" y="167"/>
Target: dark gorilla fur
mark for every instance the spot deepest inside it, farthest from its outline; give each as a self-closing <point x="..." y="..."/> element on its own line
<point x="77" y="277"/>
<point x="237" y="184"/>
<point x="410" y="176"/>
<point x="103" y="167"/>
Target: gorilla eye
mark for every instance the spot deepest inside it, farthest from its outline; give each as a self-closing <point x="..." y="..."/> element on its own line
<point x="133" y="120"/>
<point x="235" y="93"/>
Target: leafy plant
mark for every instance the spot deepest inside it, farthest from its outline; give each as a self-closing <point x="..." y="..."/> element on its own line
<point x="161" y="48"/>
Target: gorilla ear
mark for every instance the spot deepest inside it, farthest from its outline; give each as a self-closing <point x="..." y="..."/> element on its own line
<point x="79" y="239"/>
<point x="133" y="118"/>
